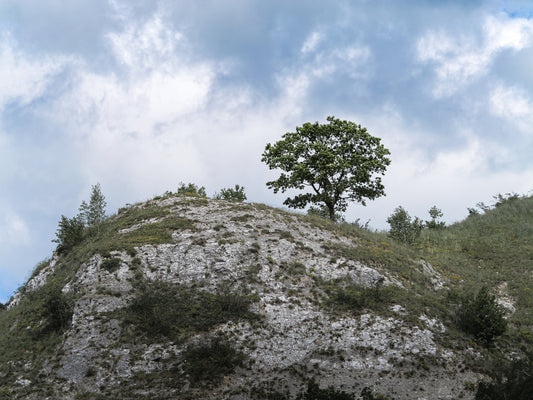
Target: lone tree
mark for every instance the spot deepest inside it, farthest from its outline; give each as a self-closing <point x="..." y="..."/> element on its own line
<point x="337" y="161"/>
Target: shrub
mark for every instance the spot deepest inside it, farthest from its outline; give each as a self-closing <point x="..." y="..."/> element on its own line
<point x="315" y="393"/>
<point x="435" y="214"/>
<point x="54" y="307"/>
<point x="236" y="194"/>
<point x="402" y="228"/>
<point x="191" y="190"/>
<point x="111" y="264"/>
<point x="509" y="380"/>
<point x="70" y="233"/>
<point x="210" y="362"/>
<point x="482" y="317"/>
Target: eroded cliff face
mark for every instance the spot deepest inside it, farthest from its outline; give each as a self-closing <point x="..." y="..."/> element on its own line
<point x="290" y="267"/>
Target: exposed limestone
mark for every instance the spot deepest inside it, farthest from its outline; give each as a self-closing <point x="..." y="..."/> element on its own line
<point x="275" y="257"/>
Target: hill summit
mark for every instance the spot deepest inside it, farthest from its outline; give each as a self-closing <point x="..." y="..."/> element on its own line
<point x="192" y="298"/>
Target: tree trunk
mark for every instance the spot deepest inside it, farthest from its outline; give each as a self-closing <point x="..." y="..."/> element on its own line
<point x="331" y="210"/>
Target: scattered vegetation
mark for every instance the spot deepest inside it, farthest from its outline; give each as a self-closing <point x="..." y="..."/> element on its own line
<point x="236" y="194"/>
<point x="191" y="189"/>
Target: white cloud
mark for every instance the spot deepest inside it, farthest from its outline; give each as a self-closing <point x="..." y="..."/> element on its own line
<point x="13" y="230"/>
<point x="156" y="85"/>
<point x="461" y="58"/>
<point x="23" y="78"/>
<point x="311" y="42"/>
<point x="513" y="104"/>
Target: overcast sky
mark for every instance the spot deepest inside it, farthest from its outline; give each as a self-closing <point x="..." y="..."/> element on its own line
<point x="140" y="95"/>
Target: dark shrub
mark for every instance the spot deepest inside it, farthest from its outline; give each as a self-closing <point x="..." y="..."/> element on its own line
<point x="236" y="194"/>
<point x="210" y="362"/>
<point x="111" y="264"/>
<point x="482" y="317"/>
<point x="54" y="307"/>
<point x="315" y="393"/>
<point x="509" y="380"/>
<point x="69" y="234"/>
<point x="191" y="189"/>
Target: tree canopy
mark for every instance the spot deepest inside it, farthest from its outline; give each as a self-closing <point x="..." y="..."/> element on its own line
<point x="337" y="161"/>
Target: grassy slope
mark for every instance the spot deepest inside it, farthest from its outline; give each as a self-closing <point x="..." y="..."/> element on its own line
<point x="490" y="249"/>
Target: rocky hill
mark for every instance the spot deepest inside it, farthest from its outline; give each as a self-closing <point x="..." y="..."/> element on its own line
<point x="192" y="298"/>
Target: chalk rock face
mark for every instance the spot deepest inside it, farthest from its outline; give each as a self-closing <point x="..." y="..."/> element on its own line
<point x="294" y="269"/>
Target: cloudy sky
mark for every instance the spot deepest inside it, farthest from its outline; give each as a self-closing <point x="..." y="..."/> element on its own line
<point x="139" y="95"/>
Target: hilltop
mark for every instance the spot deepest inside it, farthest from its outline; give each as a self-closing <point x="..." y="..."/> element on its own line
<point x="186" y="297"/>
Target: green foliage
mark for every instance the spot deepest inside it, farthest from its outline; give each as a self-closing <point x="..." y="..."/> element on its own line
<point x="93" y="213"/>
<point x="210" y="362"/>
<point x="191" y="189"/>
<point x="165" y="310"/>
<point x="337" y="161"/>
<point x="509" y="380"/>
<point x="402" y="228"/>
<point x="111" y="264"/>
<point x="69" y="234"/>
<point x="435" y="214"/>
<point x="236" y="194"/>
<point x="55" y="307"/>
<point x="506" y="198"/>
<point x="315" y="393"/>
<point x="482" y="317"/>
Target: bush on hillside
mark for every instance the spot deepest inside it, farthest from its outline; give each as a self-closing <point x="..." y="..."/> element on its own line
<point x="69" y="234"/>
<point x="53" y="307"/>
<point x="191" y="189"/>
<point x="509" y="380"/>
<point x="236" y="194"/>
<point x="211" y="361"/>
<point x="111" y="264"/>
<point x="435" y="214"/>
<point x="482" y="317"/>
<point x="315" y="393"/>
<point x="402" y="228"/>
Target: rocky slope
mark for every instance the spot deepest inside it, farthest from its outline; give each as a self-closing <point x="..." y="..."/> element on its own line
<point x="299" y="299"/>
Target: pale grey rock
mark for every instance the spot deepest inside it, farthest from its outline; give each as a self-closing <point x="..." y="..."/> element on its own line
<point x="242" y="245"/>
